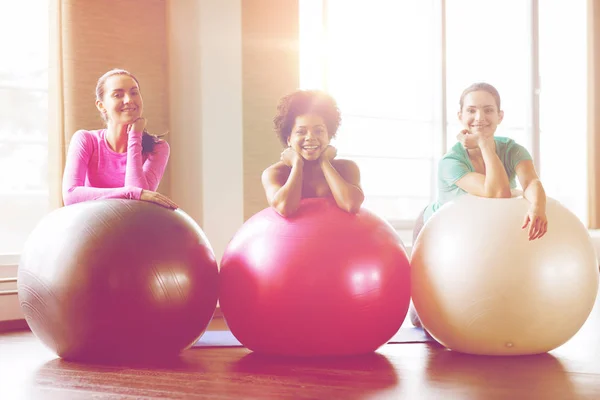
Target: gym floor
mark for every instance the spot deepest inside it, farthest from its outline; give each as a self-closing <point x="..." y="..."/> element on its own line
<point x="398" y="371"/>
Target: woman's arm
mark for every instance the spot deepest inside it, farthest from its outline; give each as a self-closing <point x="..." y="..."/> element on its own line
<point x="534" y="192"/>
<point x="494" y="183"/>
<point x="343" y="180"/>
<point x="145" y="175"/>
<point x="74" y="190"/>
<point x="283" y="190"/>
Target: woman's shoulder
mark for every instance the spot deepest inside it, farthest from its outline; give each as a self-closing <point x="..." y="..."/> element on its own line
<point x="89" y="133"/>
<point x="278" y="172"/>
<point x="348" y="169"/>
<point x="161" y="145"/>
<point x="505" y="141"/>
<point x="278" y="168"/>
<point x="456" y="152"/>
<point x="344" y="163"/>
<point x="87" y="137"/>
<point x="512" y="152"/>
<point x="508" y="145"/>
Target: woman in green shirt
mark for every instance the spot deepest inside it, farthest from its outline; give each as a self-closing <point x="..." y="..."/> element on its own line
<point x="483" y="165"/>
<point x="487" y="166"/>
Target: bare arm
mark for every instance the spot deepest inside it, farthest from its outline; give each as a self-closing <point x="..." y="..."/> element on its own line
<point x="531" y="184"/>
<point x="534" y="192"/>
<point x="283" y="190"/>
<point x="344" y="182"/>
<point x="494" y="184"/>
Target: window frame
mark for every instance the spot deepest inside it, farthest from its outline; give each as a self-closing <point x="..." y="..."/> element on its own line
<point x="10" y="309"/>
<point x="440" y="117"/>
<point x="9" y="302"/>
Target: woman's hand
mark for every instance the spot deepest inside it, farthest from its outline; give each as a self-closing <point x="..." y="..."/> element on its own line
<point x="472" y="141"/>
<point x="537" y="221"/>
<point x="467" y="139"/>
<point x="158" y="198"/>
<point x="138" y="125"/>
<point x="290" y="157"/>
<point x="328" y="154"/>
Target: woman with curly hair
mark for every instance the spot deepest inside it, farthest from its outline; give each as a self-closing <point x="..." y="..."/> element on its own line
<point x="305" y="123"/>
<point x="484" y="165"/>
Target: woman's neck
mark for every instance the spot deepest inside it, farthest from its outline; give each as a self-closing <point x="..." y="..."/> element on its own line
<point x="116" y="137"/>
<point x="311" y="167"/>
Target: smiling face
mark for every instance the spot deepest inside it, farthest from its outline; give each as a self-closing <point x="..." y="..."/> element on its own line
<point x="480" y="113"/>
<point x="309" y="136"/>
<point x="121" y="101"/>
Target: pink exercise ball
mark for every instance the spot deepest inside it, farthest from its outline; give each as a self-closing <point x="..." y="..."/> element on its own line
<point x="322" y="282"/>
<point x="481" y="287"/>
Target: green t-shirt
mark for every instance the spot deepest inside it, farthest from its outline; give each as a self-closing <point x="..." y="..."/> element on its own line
<point x="456" y="164"/>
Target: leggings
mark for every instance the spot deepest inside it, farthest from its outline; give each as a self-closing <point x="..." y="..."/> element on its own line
<point x="418" y="226"/>
<point x="420" y="221"/>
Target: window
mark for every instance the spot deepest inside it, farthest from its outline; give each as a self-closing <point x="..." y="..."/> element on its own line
<point x="397" y="70"/>
<point x="563" y="101"/>
<point x="23" y="121"/>
<point x="384" y="82"/>
<point x="494" y="47"/>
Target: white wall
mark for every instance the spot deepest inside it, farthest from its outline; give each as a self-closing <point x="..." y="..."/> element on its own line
<point x="205" y="75"/>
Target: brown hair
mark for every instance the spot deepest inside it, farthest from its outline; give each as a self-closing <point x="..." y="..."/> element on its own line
<point x="480" y="86"/>
<point x="148" y="140"/>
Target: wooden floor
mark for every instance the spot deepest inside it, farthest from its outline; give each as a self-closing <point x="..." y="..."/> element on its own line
<point x="400" y="371"/>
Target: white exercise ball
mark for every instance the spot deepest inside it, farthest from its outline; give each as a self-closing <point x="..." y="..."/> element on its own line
<point x="480" y="286"/>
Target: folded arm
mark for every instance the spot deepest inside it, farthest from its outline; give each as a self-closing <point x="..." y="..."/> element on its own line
<point x="494" y="183"/>
<point x="74" y="190"/>
<point x="344" y="182"/>
<point x="534" y="192"/>
<point x="283" y="190"/>
<point x="145" y="175"/>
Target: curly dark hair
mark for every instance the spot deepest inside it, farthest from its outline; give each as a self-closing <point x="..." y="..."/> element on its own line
<point x="303" y="102"/>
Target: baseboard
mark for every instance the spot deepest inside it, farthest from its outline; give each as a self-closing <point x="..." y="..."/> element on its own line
<point x="13" y="325"/>
<point x="21" y="324"/>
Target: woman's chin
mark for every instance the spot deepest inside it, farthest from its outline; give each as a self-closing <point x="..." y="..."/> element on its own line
<point x="311" y="157"/>
<point x="129" y="119"/>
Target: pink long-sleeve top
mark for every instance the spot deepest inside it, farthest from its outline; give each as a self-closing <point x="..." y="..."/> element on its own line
<point x="94" y="171"/>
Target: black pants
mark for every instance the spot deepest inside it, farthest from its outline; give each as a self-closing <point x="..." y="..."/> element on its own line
<point x="419" y="222"/>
